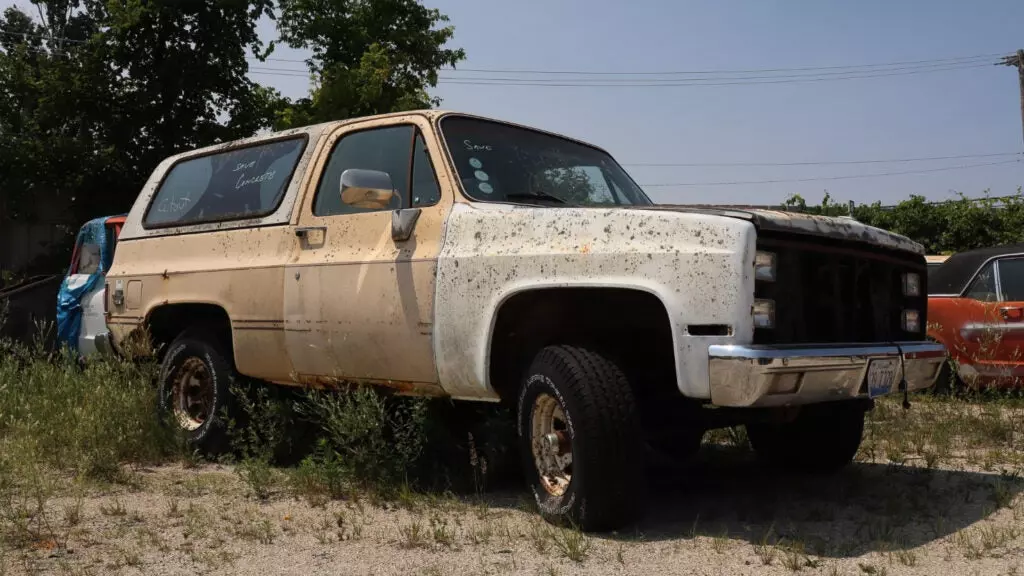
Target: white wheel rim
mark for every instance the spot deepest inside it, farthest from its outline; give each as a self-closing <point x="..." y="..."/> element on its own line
<point x="192" y="394"/>
<point x="551" y="443"/>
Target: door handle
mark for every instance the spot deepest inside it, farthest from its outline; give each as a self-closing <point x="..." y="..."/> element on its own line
<point x="1012" y="313"/>
<point x="303" y="231"/>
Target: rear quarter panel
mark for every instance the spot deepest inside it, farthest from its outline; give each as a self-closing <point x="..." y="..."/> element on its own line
<point x="237" y="265"/>
<point x="238" y="270"/>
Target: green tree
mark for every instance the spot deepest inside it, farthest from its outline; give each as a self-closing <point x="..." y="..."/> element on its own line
<point x="368" y="56"/>
<point x="94" y="94"/>
<point x="941" y="227"/>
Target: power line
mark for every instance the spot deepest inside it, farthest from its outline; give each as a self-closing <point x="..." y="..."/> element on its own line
<point x="657" y="84"/>
<point x="820" y="163"/>
<point x="868" y="67"/>
<point x="727" y="71"/>
<point x="816" y="75"/>
<point x="696" y="82"/>
<point x="645" y="81"/>
<point x="846" y="177"/>
<point x="846" y="67"/>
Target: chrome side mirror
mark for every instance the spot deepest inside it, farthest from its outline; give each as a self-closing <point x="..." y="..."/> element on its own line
<point x="371" y="189"/>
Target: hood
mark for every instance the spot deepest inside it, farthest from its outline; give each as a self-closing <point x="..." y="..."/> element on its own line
<point x="811" y="225"/>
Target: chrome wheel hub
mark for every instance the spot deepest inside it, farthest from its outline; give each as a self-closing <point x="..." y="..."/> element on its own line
<point x="192" y="394"/>
<point x="551" y="443"/>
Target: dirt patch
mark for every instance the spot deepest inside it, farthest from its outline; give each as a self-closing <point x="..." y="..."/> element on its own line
<point x="722" y="514"/>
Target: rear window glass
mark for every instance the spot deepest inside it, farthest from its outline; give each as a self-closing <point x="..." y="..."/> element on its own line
<point x="231" y="185"/>
<point x="88" y="259"/>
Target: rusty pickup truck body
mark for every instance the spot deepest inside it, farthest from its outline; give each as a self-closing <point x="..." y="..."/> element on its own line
<point x="446" y="254"/>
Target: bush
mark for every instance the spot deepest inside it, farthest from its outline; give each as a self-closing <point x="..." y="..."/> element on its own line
<point x="364" y="439"/>
<point x="58" y="414"/>
<point x="941" y="227"/>
<point x="370" y="438"/>
<point x="87" y="420"/>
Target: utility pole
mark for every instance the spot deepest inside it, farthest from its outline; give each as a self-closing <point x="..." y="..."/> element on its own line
<point x="1018" y="61"/>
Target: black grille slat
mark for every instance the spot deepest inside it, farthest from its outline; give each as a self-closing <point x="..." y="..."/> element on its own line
<point x="830" y="292"/>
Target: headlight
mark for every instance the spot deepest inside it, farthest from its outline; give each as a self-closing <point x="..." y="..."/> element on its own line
<point x="764" y="314"/>
<point x="911" y="284"/>
<point x="911" y="321"/>
<point x="764" y="266"/>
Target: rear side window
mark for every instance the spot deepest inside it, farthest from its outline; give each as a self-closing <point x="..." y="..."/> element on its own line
<point x="1011" y="279"/>
<point x="232" y="185"/>
<point x="88" y="259"/>
<point x="984" y="286"/>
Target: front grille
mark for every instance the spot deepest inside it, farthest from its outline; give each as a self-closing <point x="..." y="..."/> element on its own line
<point x="829" y="291"/>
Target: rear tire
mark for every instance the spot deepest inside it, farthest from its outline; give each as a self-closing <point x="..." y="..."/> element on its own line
<point x="580" y="439"/>
<point x="948" y="381"/>
<point x="822" y="439"/>
<point x="194" y="389"/>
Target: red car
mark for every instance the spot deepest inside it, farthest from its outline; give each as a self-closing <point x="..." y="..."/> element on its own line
<point x="976" y="309"/>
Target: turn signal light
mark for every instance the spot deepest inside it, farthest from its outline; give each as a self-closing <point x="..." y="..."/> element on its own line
<point x="911" y="284"/>
<point x="764" y="313"/>
<point x="911" y="321"/>
<point x="764" y="266"/>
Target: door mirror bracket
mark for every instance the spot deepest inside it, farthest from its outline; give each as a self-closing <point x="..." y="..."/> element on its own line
<point x="403" y="222"/>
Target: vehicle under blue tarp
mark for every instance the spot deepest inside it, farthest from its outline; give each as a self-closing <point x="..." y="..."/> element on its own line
<point x="73" y="288"/>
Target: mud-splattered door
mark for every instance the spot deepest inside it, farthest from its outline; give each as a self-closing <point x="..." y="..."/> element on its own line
<point x="359" y="300"/>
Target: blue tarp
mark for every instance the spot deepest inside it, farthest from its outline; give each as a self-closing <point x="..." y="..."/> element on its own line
<point x="69" y="300"/>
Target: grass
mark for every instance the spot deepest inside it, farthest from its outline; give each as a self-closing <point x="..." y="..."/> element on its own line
<point x="481" y="533"/>
<point x="73" y="513"/>
<point x="720" y="543"/>
<point x="116" y="508"/>
<point x="540" y="537"/>
<point x="413" y="535"/>
<point x="794" y="557"/>
<point x="198" y="521"/>
<point x="85" y="420"/>
<point x="571" y="543"/>
<point x="442" y="532"/>
<point x="68" y="428"/>
<point x="350" y="525"/>
<point x="765" y="549"/>
<point x="256" y="528"/>
<point x="906" y="557"/>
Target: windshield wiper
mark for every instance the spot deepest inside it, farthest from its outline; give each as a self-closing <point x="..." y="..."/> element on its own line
<point x="536" y="195"/>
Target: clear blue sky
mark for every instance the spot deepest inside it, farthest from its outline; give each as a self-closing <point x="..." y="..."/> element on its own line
<point x="972" y="111"/>
<point x="968" y="111"/>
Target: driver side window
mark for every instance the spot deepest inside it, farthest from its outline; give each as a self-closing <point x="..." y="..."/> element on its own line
<point x="398" y="150"/>
<point x="384" y="149"/>
<point x="984" y="286"/>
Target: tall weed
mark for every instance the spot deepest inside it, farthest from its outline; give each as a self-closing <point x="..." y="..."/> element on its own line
<point x="87" y="419"/>
<point x="368" y="438"/>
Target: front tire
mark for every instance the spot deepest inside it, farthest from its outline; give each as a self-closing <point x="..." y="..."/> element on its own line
<point x="822" y="439"/>
<point x="580" y="440"/>
<point x="194" y="389"/>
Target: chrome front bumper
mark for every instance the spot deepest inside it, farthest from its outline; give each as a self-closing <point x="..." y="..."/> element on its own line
<point x="794" y="375"/>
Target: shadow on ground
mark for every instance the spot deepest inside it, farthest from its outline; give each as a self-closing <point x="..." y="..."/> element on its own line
<point x="865" y="508"/>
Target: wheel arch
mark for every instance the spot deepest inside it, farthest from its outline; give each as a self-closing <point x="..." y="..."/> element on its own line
<point x="168" y="320"/>
<point x="557" y="313"/>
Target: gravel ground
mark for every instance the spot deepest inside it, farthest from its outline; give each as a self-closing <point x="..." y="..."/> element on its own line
<point x="722" y="514"/>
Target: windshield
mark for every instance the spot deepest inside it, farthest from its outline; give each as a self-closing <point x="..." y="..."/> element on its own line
<point x="501" y="163"/>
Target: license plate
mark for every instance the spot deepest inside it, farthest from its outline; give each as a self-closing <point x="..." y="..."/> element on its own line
<point x="881" y="374"/>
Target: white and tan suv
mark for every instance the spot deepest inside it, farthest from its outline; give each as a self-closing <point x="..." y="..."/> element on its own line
<point x="445" y="254"/>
